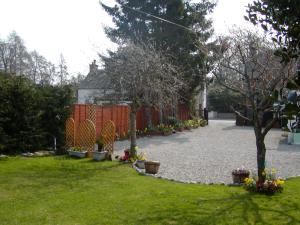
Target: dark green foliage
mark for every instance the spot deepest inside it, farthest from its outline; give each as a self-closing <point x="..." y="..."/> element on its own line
<point x="55" y="104"/>
<point x="184" y="47"/>
<point x="30" y="115"/>
<point x="282" y="19"/>
<point x="19" y="117"/>
<point x="222" y="100"/>
<point x="170" y="120"/>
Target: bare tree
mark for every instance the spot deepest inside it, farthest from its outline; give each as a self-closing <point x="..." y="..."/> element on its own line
<point x="41" y="70"/>
<point x="18" y="54"/>
<point x="4" y="56"/>
<point x="13" y="55"/>
<point x="62" y="70"/>
<point x="15" y="59"/>
<point x="142" y="76"/>
<point x="246" y="64"/>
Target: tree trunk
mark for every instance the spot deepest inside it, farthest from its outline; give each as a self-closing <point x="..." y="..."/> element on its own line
<point x="261" y="157"/>
<point x="160" y="114"/>
<point x="132" y="132"/>
<point x="148" y="116"/>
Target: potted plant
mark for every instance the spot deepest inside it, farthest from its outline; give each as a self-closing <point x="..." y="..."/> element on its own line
<point x="78" y="152"/>
<point x="140" y="160"/>
<point x="239" y="175"/>
<point x="98" y="156"/>
<point x="100" y="144"/>
<point x="152" y="167"/>
<point x="99" y="153"/>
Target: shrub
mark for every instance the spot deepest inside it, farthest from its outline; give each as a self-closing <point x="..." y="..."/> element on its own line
<point x="165" y="128"/>
<point x="188" y="124"/>
<point x="179" y="125"/>
<point x="31" y="115"/>
<point x="171" y="121"/>
<point x="203" y="123"/>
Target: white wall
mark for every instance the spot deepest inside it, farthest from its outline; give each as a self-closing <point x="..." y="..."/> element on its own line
<point x="87" y="95"/>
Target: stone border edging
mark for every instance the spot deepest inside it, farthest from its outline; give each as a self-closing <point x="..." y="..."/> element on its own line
<point x="142" y="172"/>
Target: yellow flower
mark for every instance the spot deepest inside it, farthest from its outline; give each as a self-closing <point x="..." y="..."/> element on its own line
<point x="279" y="182"/>
<point x="274" y="170"/>
<point x="248" y="181"/>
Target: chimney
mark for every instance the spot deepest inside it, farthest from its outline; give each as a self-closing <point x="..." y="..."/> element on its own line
<point x="93" y="67"/>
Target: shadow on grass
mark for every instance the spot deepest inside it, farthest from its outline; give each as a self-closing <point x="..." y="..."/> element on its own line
<point x="237" y="209"/>
<point x="65" y="171"/>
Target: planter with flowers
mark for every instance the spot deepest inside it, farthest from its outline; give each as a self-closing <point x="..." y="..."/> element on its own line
<point x="165" y="129"/>
<point x="77" y="152"/>
<point x="270" y="186"/>
<point x="139" y="160"/>
<point x="98" y="153"/>
<point x="239" y="175"/>
<point x="98" y="156"/>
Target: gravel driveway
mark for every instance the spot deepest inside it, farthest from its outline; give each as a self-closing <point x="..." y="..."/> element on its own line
<point x="209" y="154"/>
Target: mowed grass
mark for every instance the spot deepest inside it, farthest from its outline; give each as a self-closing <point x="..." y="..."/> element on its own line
<point x="60" y="190"/>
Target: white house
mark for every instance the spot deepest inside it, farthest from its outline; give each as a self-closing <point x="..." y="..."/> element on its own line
<point x="93" y="87"/>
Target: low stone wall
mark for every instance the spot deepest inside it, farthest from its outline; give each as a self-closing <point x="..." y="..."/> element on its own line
<point x="225" y="116"/>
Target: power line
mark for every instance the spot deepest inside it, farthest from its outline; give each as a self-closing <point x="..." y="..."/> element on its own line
<point x="161" y="19"/>
<point x="157" y="17"/>
<point x="167" y="21"/>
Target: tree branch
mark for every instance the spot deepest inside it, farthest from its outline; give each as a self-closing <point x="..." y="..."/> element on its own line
<point x="240" y="115"/>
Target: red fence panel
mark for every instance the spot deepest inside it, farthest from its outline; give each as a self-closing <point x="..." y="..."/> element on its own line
<point x="119" y="114"/>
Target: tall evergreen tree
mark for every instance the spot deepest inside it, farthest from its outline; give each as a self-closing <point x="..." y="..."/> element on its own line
<point x="139" y="20"/>
<point x="282" y="20"/>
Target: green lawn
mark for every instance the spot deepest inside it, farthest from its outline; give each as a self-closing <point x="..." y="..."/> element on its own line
<point x="60" y="190"/>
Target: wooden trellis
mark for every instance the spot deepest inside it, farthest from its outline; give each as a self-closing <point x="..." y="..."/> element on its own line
<point x="92" y="110"/>
<point x="108" y="134"/>
<point x="70" y="133"/>
<point x="86" y="135"/>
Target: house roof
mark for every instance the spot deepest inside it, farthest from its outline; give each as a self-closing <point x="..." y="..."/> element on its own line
<point x="95" y="80"/>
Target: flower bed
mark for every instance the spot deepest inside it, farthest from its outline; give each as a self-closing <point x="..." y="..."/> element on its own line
<point x="271" y="185"/>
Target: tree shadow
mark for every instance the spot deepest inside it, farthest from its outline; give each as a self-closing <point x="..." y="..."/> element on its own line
<point x="237" y="209"/>
<point x="67" y="172"/>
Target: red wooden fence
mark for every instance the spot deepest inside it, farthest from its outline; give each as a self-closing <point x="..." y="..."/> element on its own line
<point x="119" y="114"/>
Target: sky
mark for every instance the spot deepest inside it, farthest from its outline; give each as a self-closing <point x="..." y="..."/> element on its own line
<point x="75" y="28"/>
